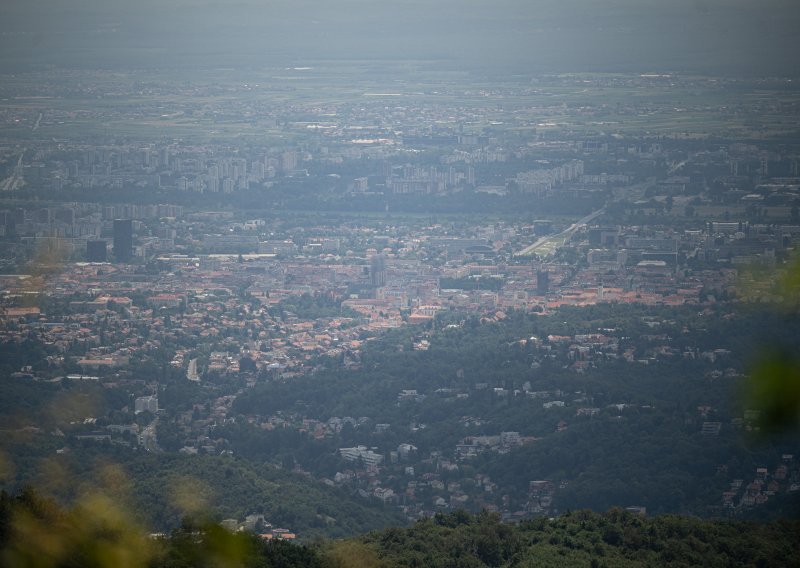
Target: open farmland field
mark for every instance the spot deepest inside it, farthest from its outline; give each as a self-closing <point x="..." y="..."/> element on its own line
<point x="221" y="105"/>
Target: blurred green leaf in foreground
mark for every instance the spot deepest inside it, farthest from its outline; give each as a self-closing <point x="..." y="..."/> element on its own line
<point x="774" y="388"/>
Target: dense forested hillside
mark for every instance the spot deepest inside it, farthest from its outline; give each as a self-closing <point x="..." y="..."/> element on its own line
<point x="520" y="414"/>
<point x="93" y="536"/>
<point x="615" y="406"/>
<point x="158" y="490"/>
<point x="582" y="538"/>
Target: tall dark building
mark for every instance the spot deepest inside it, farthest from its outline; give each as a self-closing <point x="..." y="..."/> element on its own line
<point x="97" y="251"/>
<point x="377" y="270"/>
<point x="542" y="282"/>
<point x="123" y="240"/>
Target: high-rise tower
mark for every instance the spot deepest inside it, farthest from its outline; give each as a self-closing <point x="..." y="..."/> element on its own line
<point x="542" y="282"/>
<point x="377" y="271"/>
<point x="96" y="251"/>
<point x="123" y="240"/>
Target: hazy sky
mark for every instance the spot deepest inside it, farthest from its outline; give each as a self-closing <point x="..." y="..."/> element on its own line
<point x="714" y="36"/>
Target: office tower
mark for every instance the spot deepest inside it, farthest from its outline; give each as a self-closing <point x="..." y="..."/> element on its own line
<point x="97" y="251"/>
<point x="288" y="160"/>
<point x="163" y="157"/>
<point x="542" y="282"/>
<point x="123" y="240"/>
<point x="377" y="271"/>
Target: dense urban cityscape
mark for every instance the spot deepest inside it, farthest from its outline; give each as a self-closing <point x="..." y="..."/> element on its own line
<point x="305" y="302"/>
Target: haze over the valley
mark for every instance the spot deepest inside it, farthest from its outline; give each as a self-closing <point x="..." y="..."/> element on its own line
<point x="728" y="37"/>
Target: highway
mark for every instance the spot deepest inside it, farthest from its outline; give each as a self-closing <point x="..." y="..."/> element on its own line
<point x="551" y="242"/>
<point x="191" y="372"/>
<point x="15" y="180"/>
<point x="148" y="437"/>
